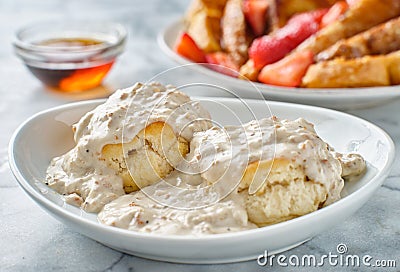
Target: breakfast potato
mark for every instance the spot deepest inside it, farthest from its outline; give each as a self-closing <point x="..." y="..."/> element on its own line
<point x="234" y="38"/>
<point x="367" y="71"/>
<point x="354" y="21"/>
<point x="340" y="73"/>
<point x="381" y="39"/>
<point x="213" y="8"/>
<point x="248" y="71"/>
<point x="203" y="23"/>
<point x="288" y="8"/>
<point x="259" y="37"/>
<point x="394" y="67"/>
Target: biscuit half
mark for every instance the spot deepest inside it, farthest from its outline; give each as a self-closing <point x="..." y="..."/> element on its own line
<point x="285" y="192"/>
<point x="150" y="156"/>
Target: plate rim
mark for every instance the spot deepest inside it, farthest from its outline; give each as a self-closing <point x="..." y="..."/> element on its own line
<point x="265" y="89"/>
<point x="371" y="185"/>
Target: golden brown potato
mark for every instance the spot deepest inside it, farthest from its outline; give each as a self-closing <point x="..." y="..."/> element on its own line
<point x="362" y="16"/>
<point x="213" y="8"/>
<point x="248" y="71"/>
<point x="287" y="8"/>
<point x="379" y="40"/>
<point x="203" y="23"/>
<point x="340" y="73"/>
<point x="367" y="71"/>
<point x="234" y="39"/>
<point x="394" y="67"/>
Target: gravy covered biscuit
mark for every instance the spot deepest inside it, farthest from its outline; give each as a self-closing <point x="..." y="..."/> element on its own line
<point x="148" y="160"/>
<point x="132" y="140"/>
<point x="239" y="177"/>
<point x="286" y="192"/>
<point x="283" y="167"/>
<point x="150" y="156"/>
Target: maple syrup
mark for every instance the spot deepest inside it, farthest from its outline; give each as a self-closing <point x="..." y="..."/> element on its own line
<point x="76" y="79"/>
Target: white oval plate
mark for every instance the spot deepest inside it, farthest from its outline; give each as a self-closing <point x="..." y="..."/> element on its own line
<point x="339" y="98"/>
<point x="48" y="134"/>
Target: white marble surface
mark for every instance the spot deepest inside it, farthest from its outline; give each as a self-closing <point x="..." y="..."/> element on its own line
<point x="31" y="240"/>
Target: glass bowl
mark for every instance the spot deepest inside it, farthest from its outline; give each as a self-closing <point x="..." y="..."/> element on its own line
<point x="70" y="56"/>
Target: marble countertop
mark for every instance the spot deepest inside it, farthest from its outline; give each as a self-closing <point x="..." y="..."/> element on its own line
<point x="31" y="240"/>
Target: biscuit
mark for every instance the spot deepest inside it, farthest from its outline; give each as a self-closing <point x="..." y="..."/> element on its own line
<point x="151" y="155"/>
<point x="285" y="192"/>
